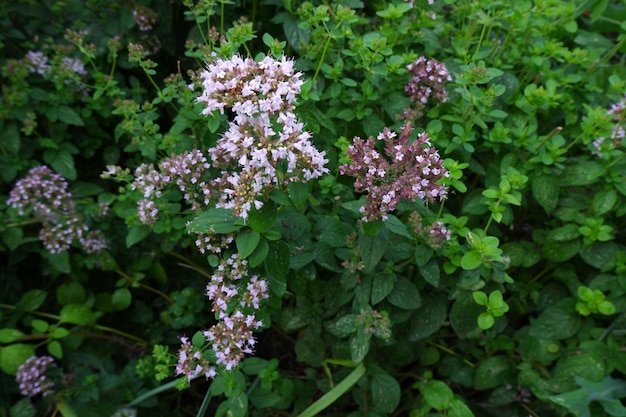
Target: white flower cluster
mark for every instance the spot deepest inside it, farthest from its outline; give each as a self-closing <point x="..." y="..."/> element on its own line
<point x="266" y="145"/>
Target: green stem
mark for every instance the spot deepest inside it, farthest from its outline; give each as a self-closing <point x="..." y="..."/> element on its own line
<point x="616" y="160"/>
<point x="144" y="286"/>
<point x="319" y="64"/>
<point x="153" y="392"/>
<point x="95" y="326"/>
<point x="606" y="57"/>
<point x="450" y="351"/>
<point x="205" y="403"/>
<point x="556" y="130"/>
<point x="331" y="396"/>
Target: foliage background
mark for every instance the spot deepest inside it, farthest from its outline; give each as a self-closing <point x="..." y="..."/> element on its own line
<point x="520" y="312"/>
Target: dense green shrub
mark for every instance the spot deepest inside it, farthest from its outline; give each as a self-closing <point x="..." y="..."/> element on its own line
<point x="361" y="208"/>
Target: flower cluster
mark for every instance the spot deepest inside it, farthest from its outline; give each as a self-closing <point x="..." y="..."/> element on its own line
<point x="46" y="193"/>
<point x="437" y="233"/>
<point x="375" y="322"/>
<point x="31" y="376"/>
<point x="265" y="145"/>
<point x="186" y="170"/>
<point x="426" y="85"/>
<point x="191" y="363"/>
<point x="125" y="412"/>
<point x="409" y="170"/>
<point x="616" y="138"/>
<point x="434" y="234"/>
<point x="145" y="18"/>
<point x="68" y="71"/>
<point x="231" y="337"/>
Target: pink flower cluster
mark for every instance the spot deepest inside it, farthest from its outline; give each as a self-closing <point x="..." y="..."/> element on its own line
<point x="266" y="145"/>
<point x="145" y="18"/>
<point x="186" y="170"/>
<point x="434" y="234"/>
<point x="191" y="363"/>
<point x="31" y="376"/>
<point x="46" y="192"/>
<point x="71" y="70"/>
<point x="426" y="85"/>
<point x="231" y="338"/>
<point x="616" y="139"/>
<point x="409" y="170"/>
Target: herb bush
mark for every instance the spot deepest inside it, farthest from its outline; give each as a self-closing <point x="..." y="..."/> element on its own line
<point x="350" y="208"/>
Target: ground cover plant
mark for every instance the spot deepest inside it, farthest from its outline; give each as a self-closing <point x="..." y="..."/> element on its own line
<point x="301" y="208"/>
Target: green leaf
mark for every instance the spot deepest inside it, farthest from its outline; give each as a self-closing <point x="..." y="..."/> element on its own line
<point x="464" y="316"/>
<point x="459" y="409"/>
<point x="23" y="408"/>
<point x="605" y="201"/>
<point x="247" y="241"/>
<point x="238" y="405"/>
<point x="277" y="266"/>
<point x="40" y="326"/>
<point x="560" y="251"/>
<point x="55" y="349"/>
<point x="298" y="193"/>
<point x="492" y="372"/>
<point x="261" y="220"/>
<point x="545" y="190"/>
<point x="564" y="233"/>
<point x="405" y="295"/>
<point x="12" y="356"/>
<point x="607" y="393"/>
<point x="10" y="139"/>
<point x="60" y="261"/>
<point x="259" y="255"/>
<point x="12" y="237"/>
<point x="136" y="234"/>
<point x="217" y="220"/>
<point x="121" y="298"/>
<point x="423" y="253"/>
<point x="437" y="394"/>
<point x="344" y="326"/>
<point x="61" y="162"/>
<point x="69" y="116"/>
<point x="582" y="173"/>
<point x="396" y="226"/>
<point x="8" y="335"/>
<point x="381" y="287"/>
<point x="557" y="322"/>
<point x="71" y="292"/>
<point x="430" y="272"/>
<point x="385" y="391"/>
<point x="471" y="260"/>
<point x="263" y="398"/>
<point x="359" y="345"/>
<point x="372" y="248"/>
<point x="428" y="318"/>
<point x="332" y="231"/>
<point x="31" y="300"/>
<point x="600" y="255"/>
<point x="60" y="333"/>
<point x="76" y="314"/>
<point x="486" y="321"/>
